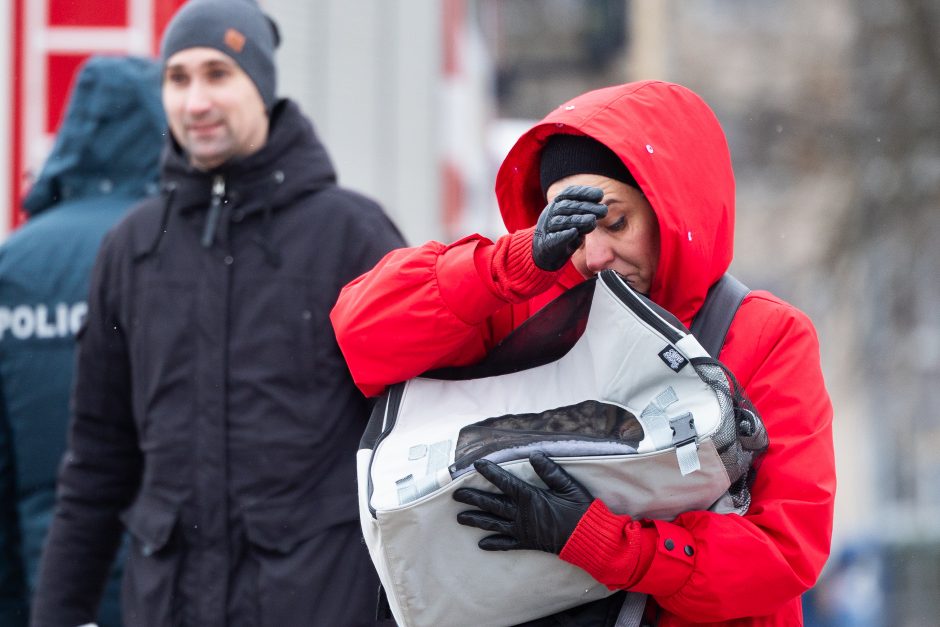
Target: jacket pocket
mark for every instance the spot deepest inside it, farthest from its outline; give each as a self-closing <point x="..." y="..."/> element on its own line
<point x="280" y="529"/>
<point x="311" y="564"/>
<point x="149" y="593"/>
<point x="150" y="523"/>
<point x="275" y="529"/>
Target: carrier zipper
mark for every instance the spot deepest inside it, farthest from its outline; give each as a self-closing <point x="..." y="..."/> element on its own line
<point x="467" y="460"/>
<point x="392" y="403"/>
<point x="638" y="306"/>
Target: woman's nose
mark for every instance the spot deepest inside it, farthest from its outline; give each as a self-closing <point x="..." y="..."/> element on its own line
<point x="598" y="255"/>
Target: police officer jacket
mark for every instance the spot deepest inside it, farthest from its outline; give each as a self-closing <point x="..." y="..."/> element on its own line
<point x="104" y="160"/>
<point x="214" y="414"/>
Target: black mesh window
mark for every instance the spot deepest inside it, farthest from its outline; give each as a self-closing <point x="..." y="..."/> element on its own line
<point x="545" y="337"/>
<point x="587" y="422"/>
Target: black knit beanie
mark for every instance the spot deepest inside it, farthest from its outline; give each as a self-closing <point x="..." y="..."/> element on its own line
<point x="564" y="155"/>
<point x="237" y="28"/>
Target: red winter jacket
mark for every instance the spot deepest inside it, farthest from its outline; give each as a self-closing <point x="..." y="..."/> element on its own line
<point x="438" y="305"/>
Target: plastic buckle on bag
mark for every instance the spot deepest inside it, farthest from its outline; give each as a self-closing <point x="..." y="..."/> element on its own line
<point x="683" y="429"/>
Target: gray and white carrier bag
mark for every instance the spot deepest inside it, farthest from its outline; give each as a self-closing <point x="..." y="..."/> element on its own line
<point x="612" y="387"/>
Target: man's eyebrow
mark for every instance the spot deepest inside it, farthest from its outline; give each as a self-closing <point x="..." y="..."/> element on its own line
<point x="210" y="64"/>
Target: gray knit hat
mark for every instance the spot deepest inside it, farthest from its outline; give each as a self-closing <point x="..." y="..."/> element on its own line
<point x="237" y="28"/>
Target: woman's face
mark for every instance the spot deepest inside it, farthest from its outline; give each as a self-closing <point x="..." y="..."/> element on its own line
<point x="625" y="241"/>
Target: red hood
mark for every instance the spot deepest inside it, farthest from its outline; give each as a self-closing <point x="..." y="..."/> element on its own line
<point x="673" y="145"/>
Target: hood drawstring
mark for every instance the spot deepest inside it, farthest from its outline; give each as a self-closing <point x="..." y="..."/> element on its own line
<point x="215" y="208"/>
<point x="264" y="238"/>
<point x="170" y="190"/>
<point x="217" y="220"/>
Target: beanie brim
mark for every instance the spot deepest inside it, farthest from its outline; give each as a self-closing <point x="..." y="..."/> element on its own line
<point x="566" y="155"/>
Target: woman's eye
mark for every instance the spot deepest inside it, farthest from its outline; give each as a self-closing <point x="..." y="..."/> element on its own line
<point x="618" y="225"/>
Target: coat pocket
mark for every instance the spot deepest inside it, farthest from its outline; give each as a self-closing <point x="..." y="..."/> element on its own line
<point x="280" y="529"/>
<point x="312" y="566"/>
<point x="276" y="529"/>
<point x="149" y="593"/>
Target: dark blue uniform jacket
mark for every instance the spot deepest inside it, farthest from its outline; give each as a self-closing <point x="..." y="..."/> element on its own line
<point x="104" y="160"/>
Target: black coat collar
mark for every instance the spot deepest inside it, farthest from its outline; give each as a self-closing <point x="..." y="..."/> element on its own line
<point x="292" y="162"/>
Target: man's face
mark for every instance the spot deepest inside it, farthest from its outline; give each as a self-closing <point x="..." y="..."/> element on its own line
<point x="213" y="109"/>
<point x="626" y="240"/>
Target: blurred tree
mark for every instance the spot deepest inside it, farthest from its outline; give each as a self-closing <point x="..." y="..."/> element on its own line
<point x="887" y="247"/>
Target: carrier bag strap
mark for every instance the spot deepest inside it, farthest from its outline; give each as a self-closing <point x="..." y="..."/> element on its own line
<point x="710" y="327"/>
<point x="631" y="612"/>
<point x="711" y="323"/>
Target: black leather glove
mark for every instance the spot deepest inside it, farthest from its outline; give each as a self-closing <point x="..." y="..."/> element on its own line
<point x="525" y="516"/>
<point x="563" y="224"/>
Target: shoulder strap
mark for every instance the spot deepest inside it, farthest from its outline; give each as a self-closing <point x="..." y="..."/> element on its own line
<point x="710" y="326"/>
<point x="711" y="323"/>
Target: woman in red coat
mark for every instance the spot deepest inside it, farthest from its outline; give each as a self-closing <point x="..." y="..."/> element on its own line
<point x="664" y="220"/>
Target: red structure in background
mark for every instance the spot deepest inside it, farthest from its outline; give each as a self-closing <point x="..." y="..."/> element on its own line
<point x="453" y="186"/>
<point x="51" y="39"/>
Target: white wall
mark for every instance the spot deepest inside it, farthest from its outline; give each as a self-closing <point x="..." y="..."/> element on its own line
<point x="367" y="72"/>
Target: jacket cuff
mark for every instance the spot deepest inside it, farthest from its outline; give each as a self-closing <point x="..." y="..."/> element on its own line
<point x="514" y="274"/>
<point x="614" y="549"/>
<point x="672" y="561"/>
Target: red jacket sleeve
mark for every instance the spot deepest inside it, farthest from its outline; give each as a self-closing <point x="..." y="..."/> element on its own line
<point x="432" y="306"/>
<point x="702" y="561"/>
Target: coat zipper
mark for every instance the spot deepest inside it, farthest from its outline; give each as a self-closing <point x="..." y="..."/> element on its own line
<point x="215" y="208"/>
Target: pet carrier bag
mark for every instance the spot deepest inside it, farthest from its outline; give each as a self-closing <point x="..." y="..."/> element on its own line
<point x="612" y="387"/>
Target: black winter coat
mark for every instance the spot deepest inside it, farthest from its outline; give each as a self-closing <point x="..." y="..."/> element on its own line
<point x="213" y="412"/>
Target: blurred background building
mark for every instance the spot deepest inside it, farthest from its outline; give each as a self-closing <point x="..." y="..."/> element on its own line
<point x="831" y="110"/>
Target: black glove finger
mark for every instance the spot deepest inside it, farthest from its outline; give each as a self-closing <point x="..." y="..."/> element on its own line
<point x="508" y="483"/>
<point x="584" y="223"/>
<point x="572" y="247"/>
<point x="499" y="543"/>
<point x="487" y="522"/>
<point x="581" y="192"/>
<point x="578" y="207"/>
<point x="497" y="504"/>
<point x="554" y="476"/>
<point x="568" y="241"/>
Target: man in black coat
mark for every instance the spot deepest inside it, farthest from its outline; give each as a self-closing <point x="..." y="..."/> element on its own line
<point x="213" y="414"/>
